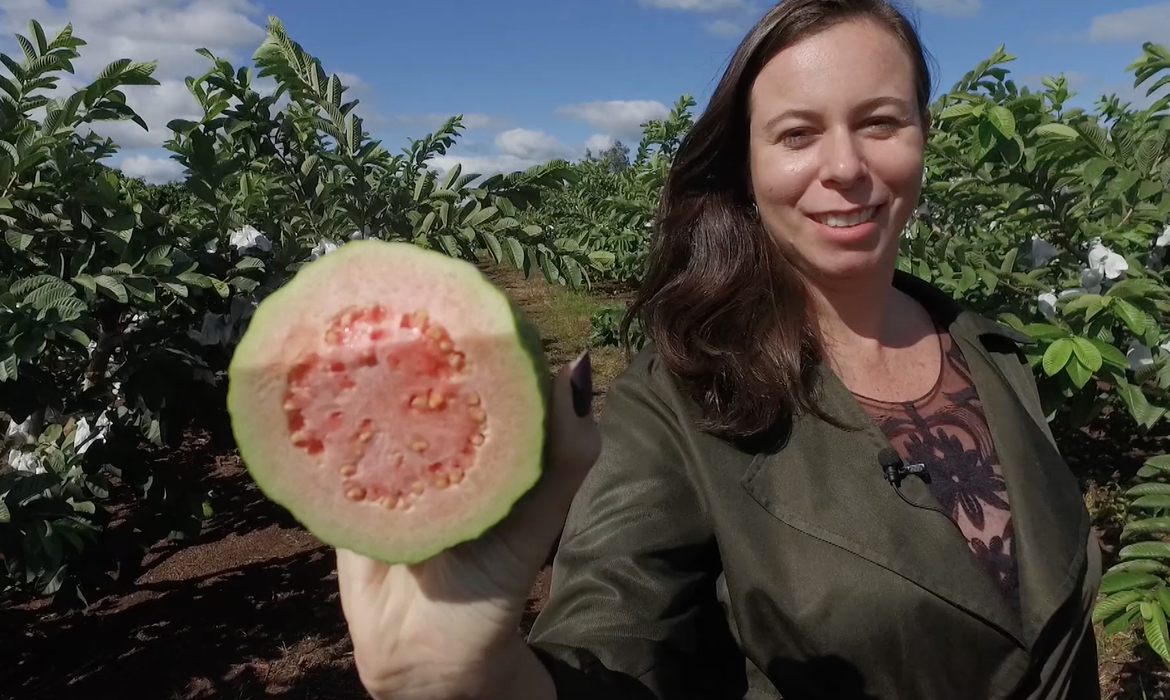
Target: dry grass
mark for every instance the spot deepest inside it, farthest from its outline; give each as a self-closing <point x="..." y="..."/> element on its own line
<point x="562" y="317"/>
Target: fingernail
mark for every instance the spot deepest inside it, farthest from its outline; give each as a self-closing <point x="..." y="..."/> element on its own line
<point x="581" y="381"/>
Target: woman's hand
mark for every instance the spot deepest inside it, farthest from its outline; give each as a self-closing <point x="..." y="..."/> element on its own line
<point x="448" y="627"/>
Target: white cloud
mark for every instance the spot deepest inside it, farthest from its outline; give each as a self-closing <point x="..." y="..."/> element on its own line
<point x="168" y="31"/>
<point x="954" y="8"/>
<point x="154" y="170"/>
<point x="1126" y="92"/>
<point x="696" y="5"/>
<point x="1148" y="23"/>
<point x="535" y="146"/>
<point x="516" y="149"/>
<point x="726" y="28"/>
<point x="484" y="165"/>
<point x="622" y="117"/>
<point x="599" y="142"/>
<point x="432" y="121"/>
<point x="157" y="105"/>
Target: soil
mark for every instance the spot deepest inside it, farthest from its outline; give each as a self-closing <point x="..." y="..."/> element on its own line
<point x="250" y="608"/>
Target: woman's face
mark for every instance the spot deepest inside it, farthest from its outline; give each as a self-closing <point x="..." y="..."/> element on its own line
<point x="836" y="149"/>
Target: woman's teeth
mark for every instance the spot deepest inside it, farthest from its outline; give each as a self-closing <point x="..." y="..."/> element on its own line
<point x="845" y="220"/>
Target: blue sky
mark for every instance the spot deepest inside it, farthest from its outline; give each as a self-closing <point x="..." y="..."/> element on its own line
<point x="544" y="78"/>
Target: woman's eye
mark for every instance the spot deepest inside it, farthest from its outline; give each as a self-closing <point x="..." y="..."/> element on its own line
<point x="882" y="125"/>
<point x="796" y="138"/>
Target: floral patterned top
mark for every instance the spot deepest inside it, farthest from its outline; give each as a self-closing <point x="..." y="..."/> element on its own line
<point x="946" y="431"/>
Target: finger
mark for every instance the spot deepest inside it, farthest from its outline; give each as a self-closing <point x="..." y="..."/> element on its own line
<point x="572" y="445"/>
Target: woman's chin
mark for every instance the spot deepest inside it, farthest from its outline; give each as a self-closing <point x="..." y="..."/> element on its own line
<point x="852" y="265"/>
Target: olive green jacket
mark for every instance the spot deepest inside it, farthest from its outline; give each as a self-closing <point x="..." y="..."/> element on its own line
<point x="693" y="568"/>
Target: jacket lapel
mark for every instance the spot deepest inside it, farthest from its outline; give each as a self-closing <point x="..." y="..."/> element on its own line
<point x="1049" y="519"/>
<point x="829" y="485"/>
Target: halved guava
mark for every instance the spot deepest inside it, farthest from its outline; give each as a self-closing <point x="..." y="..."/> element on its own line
<point x="392" y="399"/>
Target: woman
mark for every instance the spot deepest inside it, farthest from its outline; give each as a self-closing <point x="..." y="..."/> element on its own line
<point x="821" y="480"/>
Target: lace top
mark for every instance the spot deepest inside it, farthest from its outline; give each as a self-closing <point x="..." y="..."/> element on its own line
<point x="947" y="432"/>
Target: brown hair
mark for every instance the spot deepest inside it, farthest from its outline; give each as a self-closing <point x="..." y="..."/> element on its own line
<point x="724" y="307"/>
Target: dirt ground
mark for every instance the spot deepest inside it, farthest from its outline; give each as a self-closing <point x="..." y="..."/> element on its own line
<point x="250" y="608"/>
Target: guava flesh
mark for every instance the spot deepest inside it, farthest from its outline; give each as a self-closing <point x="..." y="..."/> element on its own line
<point x="392" y="399"/>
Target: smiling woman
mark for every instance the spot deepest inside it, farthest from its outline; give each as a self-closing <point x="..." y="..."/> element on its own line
<point x="821" y="478"/>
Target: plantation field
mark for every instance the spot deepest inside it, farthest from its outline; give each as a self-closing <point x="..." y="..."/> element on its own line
<point x="250" y="609"/>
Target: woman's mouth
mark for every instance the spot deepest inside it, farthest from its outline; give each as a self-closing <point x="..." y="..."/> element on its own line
<point x="846" y="219"/>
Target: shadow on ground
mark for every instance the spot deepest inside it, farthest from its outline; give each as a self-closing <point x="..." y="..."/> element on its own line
<point x="268" y="629"/>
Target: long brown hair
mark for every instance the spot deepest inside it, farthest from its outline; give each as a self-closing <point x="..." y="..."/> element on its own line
<point x="723" y="305"/>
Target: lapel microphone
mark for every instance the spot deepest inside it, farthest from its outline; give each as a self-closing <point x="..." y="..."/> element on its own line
<point x="895" y="469"/>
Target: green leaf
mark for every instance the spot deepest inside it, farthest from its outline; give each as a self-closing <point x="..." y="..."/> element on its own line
<point x="196" y="280"/>
<point x="1133" y="317"/>
<point x="1122" y="622"/>
<point x="1057" y="130"/>
<point x="250" y="263"/>
<point x="480" y="217"/>
<point x="1127" y="580"/>
<point x="1160" y="463"/>
<point x="1003" y="120"/>
<point x="1114" y="604"/>
<point x="158" y="256"/>
<point x="1057" y="356"/>
<point x="1110" y="355"/>
<point x="1009" y="261"/>
<point x="1046" y="331"/>
<point x="140" y="288"/>
<point x="5" y="516"/>
<point x="1081" y="302"/>
<point x="26" y="46"/>
<point x="1156" y="633"/>
<point x="21" y="288"/>
<point x="549" y="268"/>
<point x="112" y="288"/>
<point x="1147" y="526"/>
<point x="1145" y="550"/>
<point x="516" y="250"/>
<point x="70" y="309"/>
<point x="961" y="109"/>
<point x="1162" y="595"/>
<point x="493" y="245"/>
<point x="1153" y="488"/>
<point x="17" y="240"/>
<point x="1078" y="372"/>
<point x="1153" y="500"/>
<point x="87" y="282"/>
<point x="84" y="507"/>
<point x="1144" y="566"/>
<point x="1087" y="353"/>
<point x="8" y="368"/>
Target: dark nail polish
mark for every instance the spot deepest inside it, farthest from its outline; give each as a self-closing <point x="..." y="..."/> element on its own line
<point x="581" y="381"/>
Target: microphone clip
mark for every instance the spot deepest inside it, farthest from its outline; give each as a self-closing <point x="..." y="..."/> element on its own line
<point x="896" y="474"/>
